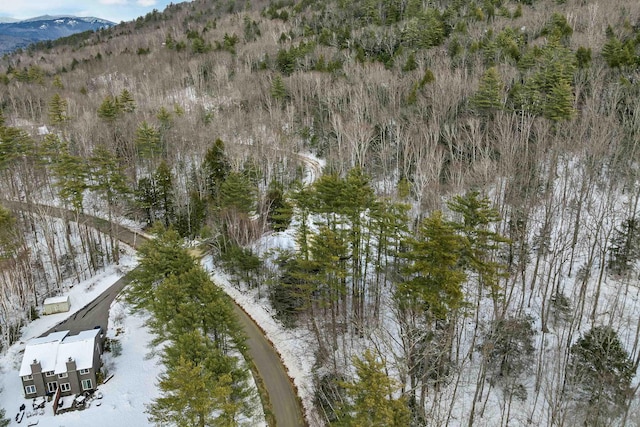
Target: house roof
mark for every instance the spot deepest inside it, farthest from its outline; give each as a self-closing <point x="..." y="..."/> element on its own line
<point x="56" y="300"/>
<point x="79" y="348"/>
<point x="55" y="349"/>
<point x="44" y="350"/>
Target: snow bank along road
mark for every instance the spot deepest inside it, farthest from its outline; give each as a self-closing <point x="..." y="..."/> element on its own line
<point x="284" y="401"/>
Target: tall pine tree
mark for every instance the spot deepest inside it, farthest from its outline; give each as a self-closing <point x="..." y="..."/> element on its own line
<point x="372" y="397"/>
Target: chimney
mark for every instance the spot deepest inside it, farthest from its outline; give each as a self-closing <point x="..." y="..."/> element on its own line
<point x="35" y="367"/>
<point x="71" y="365"/>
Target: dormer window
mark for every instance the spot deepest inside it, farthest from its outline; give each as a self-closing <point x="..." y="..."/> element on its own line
<point x="27" y="377"/>
<point x="84" y="371"/>
<point x="49" y="374"/>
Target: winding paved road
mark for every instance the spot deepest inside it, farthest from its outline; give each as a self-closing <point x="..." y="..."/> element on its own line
<point x="284" y="401"/>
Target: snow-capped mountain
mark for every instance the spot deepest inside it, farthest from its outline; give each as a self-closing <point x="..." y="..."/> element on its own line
<point x="20" y="34"/>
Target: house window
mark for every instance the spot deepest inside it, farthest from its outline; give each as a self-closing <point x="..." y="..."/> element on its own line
<point x="52" y="386"/>
<point x="86" y="385"/>
<point x="30" y="389"/>
<point x="63" y="375"/>
<point x="84" y="371"/>
<point x="49" y="374"/>
<point x="65" y="387"/>
<point x="27" y="377"/>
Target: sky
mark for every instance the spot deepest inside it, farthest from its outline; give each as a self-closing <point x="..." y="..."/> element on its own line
<point x="112" y="10"/>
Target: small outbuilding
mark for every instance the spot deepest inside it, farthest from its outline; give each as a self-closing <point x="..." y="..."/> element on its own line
<point x="56" y="305"/>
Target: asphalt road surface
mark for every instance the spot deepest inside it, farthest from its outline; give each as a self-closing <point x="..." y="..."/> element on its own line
<point x="285" y="404"/>
<point x="284" y="401"/>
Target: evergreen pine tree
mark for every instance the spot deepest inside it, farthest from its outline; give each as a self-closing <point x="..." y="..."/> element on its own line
<point x="618" y="54"/>
<point x="148" y="141"/>
<point x="216" y="168"/>
<point x="57" y="83"/>
<point x="190" y="396"/>
<point x="109" y="110"/>
<point x="548" y="90"/>
<point x="190" y="217"/>
<point x="372" y="400"/>
<point x="190" y="300"/>
<point x="8" y="236"/>
<point x="125" y="102"/>
<point x="599" y="375"/>
<point x="433" y="276"/>
<point x="558" y="29"/>
<point x="428" y="295"/>
<point x="146" y="198"/>
<point x="329" y="252"/>
<point x="278" y="89"/>
<point x="242" y="264"/>
<point x="303" y="198"/>
<point x="238" y="194"/>
<point x="411" y="63"/>
<point x="164" y="117"/>
<point x="583" y="57"/>
<point x="508" y="353"/>
<point x="482" y="243"/>
<point x="109" y="181"/>
<point x="163" y="179"/>
<point x="108" y="178"/>
<point x="625" y="247"/>
<point x="71" y="174"/>
<point x="160" y="258"/>
<point x="57" y="110"/>
<point x="291" y="294"/>
<point x="280" y="211"/>
<point x="559" y="102"/>
<point x="488" y="98"/>
<point x="14" y="144"/>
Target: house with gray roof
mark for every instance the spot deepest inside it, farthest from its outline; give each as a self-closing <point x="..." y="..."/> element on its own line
<point x="59" y="360"/>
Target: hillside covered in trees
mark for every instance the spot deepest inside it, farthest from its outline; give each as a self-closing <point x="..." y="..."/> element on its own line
<point x="469" y="255"/>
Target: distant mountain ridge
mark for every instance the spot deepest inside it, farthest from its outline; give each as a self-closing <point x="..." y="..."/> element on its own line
<point x="20" y="34"/>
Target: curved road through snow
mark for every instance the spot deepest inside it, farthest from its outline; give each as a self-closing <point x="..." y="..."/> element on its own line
<point x="285" y="404"/>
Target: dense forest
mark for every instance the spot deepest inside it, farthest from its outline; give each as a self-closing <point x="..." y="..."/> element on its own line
<point x="469" y="255"/>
